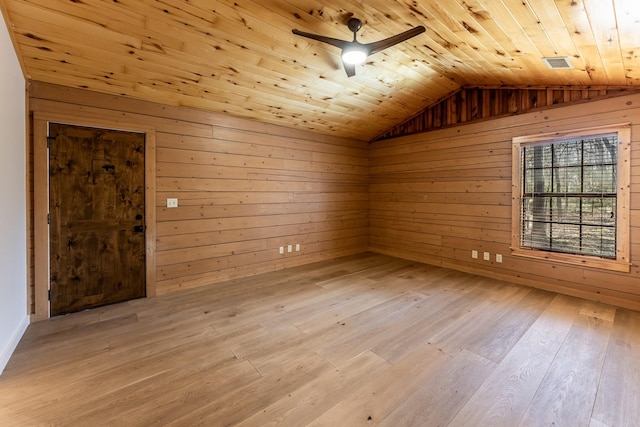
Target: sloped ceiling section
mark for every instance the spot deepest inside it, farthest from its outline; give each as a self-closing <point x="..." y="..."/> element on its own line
<point x="240" y="57"/>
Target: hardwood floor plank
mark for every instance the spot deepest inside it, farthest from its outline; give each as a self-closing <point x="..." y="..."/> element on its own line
<point x="384" y="393"/>
<point x="596" y="423"/>
<point x="346" y="307"/>
<point x="245" y="401"/>
<point x="202" y="379"/>
<point x="316" y="305"/>
<point x="380" y="329"/>
<point x="361" y="341"/>
<point x="454" y="336"/>
<point x="110" y="385"/>
<point x="503" y="330"/>
<point x="316" y="397"/>
<point x="265" y="345"/>
<point x="619" y="390"/>
<point x="440" y="398"/>
<point x="453" y="305"/>
<point x="148" y="337"/>
<point x="504" y="397"/>
<point x="568" y="391"/>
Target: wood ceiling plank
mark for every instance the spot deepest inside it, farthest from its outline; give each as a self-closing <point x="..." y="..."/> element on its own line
<point x="553" y="25"/>
<point x="530" y="25"/>
<point x="335" y="17"/>
<point x="604" y="27"/>
<point x="522" y="23"/>
<point x="417" y="77"/>
<point x="60" y="24"/>
<point x="627" y="17"/>
<point x="95" y="11"/>
<point x="186" y="89"/>
<point x="508" y="35"/>
<point x="466" y="25"/>
<point x="579" y="27"/>
<point x="203" y="45"/>
<point x="503" y="18"/>
<point x="110" y="65"/>
<point x="82" y="80"/>
<point x="451" y="44"/>
<point x="151" y="84"/>
<point x="240" y="57"/>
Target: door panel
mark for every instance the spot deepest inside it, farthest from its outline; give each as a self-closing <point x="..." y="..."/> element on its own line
<point x="96" y="205"/>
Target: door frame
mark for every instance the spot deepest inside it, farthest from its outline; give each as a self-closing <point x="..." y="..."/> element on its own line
<point x="41" y="122"/>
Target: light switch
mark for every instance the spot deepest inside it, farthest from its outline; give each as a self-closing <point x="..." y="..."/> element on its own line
<point x="172" y="203"/>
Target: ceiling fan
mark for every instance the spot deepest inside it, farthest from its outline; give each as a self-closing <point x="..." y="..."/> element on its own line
<point x="354" y="52"/>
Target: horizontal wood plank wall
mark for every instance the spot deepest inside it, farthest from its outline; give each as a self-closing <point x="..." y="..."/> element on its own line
<point x="244" y="189"/>
<point x="436" y="196"/>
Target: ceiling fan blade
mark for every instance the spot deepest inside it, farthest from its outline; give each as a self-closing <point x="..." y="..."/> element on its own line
<point x="350" y="69"/>
<point x="398" y="38"/>
<point x="355" y="51"/>
<point x="329" y="40"/>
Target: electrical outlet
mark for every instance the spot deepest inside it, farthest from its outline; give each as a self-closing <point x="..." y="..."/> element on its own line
<point x="297" y="247"/>
<point x="487" y="256"/>
<point x="172" y="203"/>
<point x="289" y="248"/>
<point x="474" y="254"/>
<point x="498" y="257"/>
<point x="281" y="250"/>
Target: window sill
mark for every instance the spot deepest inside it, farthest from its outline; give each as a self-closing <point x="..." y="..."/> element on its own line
<point x="579" y="260"/>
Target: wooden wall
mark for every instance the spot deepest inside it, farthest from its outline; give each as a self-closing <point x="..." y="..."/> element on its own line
<point x="244" y="188"/>
<point x="469" y="104"/>
<point x="436" y="196"/>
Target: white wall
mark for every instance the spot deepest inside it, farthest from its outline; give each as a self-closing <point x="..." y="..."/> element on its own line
<point x="14" y="318"/>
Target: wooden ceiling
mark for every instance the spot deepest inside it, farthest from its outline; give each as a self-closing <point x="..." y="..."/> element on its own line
<point x="239" y="57"/>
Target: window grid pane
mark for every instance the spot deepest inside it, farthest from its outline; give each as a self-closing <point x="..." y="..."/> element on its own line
<point x="569" y="196"/>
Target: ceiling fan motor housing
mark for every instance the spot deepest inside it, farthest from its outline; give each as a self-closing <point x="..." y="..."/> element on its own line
<point x="354" y="25"/>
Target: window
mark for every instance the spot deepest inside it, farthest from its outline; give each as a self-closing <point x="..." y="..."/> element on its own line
<point x="571" y="197"/>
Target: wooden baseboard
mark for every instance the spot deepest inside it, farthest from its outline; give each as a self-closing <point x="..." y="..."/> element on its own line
<point x="630" y="303"/>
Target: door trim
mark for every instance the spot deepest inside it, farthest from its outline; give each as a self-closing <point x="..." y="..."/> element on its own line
<point x="41" y="122"/>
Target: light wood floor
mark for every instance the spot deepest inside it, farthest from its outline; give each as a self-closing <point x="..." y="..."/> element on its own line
<point x="359" y="341"/>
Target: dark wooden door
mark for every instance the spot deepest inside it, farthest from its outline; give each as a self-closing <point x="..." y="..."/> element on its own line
<point x="96" y="206"/>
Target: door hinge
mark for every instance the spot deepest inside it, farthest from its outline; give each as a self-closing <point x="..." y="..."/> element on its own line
<point x="49" y="295"/>
<point x="49" y="139"/>
<point x="49" y="219"/>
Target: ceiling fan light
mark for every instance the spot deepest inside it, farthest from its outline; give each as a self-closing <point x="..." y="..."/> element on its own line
<point x="354" y="55"/>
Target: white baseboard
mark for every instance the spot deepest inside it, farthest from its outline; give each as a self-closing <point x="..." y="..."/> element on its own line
<point x="13" y="343"/>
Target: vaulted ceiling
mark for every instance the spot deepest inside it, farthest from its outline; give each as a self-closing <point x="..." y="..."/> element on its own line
<point x="240" y="57"/>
